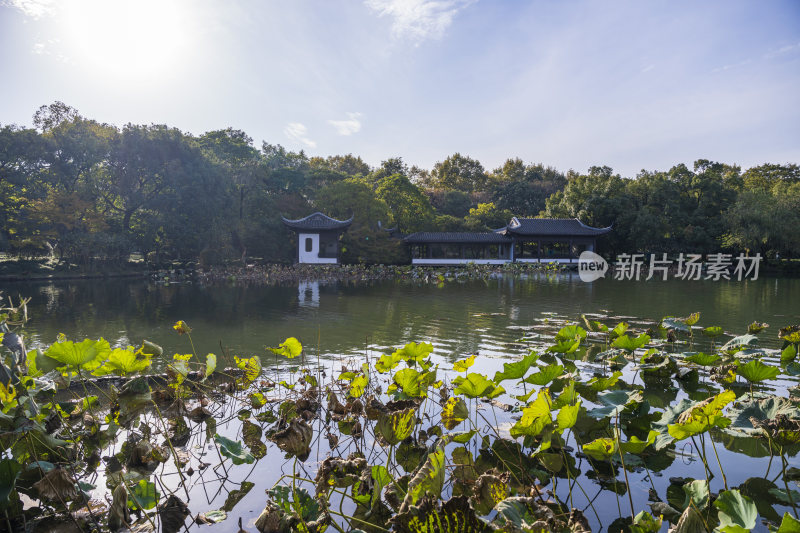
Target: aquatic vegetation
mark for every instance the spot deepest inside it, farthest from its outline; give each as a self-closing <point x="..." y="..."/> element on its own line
<point x="408" y="441"/>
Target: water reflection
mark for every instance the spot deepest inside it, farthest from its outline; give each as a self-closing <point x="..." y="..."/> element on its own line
<point x="484" y="317"/>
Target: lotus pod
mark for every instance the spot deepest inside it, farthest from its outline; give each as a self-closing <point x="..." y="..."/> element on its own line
<point x="57" y="486"/>
<point x="295" y="439"/>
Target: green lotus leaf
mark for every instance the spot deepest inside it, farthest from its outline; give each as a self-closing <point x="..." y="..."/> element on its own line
<point x="233" y="450"/>
<point x="290" y="348"/>
<point x="626" y="343"/>
<point x="428" y="479"/>
<point x="619" y="329"/>
<point x="567" y="416"/>
<point x="636" y="446"/>
<point x="464" y="364"/>
<point x="761" y="409"/>
<point x="789" y="353"/>
<point x="150" y="349"/>
<point x="697" y="494"/>
<point x="413" y="383"/>
<point x="757" y="327"/>
<point x="9" y="471"/>
<point x="396" y="426"/>
<point x="702" y="359"/>
<point x="122" y="362"/>
<point x="535" y="417"/>
<point x="613" y="403"/>
<point x="387" y="362"/>
<point x="475" y="385"/>
<point x="414" y="352"/>
<point x="358" y="386"/>
<point x="786" y="498"/>
<point x="601" y="449"/>
<point x="545" y="375"/>
<point x="211" y="365"/>
<point x="712" y="331"/>
<point x="454" y="412"/>
<point x="644" y="522"/>
<point x="463" y="437"/>
<point x="692" y="319"/>
<point x="789" y="524"/>
<point x="143" y="495"/>
<point x="755" y="371"/>
<point x="736" y="509"/>
<point x="86" y="355"/>
<point x="516" y="370"/>
<point x="568" y="333"/>
<point x="604" y="383"/>
<point x="251" y="367"/>
<point x="565" y="346"/>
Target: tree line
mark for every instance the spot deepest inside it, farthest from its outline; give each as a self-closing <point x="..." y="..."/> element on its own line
<point x="80" y="190"/>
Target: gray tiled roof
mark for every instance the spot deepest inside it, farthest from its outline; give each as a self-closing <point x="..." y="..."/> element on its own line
<point x="317" y="222"/>
<point x="552" y="226"/>
<point x="456" y="237"/>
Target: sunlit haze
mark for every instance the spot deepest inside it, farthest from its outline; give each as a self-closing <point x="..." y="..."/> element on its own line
<point x="632" y="85"/>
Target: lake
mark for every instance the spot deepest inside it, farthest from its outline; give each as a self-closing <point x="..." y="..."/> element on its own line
<point x="458" y="318"/>
<point x="500" y="320"/>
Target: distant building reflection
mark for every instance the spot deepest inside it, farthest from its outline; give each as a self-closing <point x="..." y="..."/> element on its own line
<point x="308" y="293"/>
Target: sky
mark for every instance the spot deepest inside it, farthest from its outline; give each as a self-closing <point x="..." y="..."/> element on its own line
<point x="629" y="84"/>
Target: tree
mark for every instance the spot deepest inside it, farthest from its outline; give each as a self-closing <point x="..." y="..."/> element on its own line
<point x="365" y="240"/>
<point x="523" y="189"/>
<point x="459" y="172"/>
<point x="453" y="203"/>
<point x="410" y="208"/>
<point x="487" y="217"/>
<point x="346" y="164"/>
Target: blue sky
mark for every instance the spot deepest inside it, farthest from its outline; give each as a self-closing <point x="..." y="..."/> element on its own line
<point x="633" y="85"/>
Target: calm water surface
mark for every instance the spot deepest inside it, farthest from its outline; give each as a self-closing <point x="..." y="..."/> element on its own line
<point x="458" y="318"/>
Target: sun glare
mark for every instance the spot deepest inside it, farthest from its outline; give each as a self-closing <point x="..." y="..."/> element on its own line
<point x="126" y="40"/>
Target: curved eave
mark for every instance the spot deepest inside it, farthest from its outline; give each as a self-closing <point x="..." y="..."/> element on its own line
<point x="328" y="224"/>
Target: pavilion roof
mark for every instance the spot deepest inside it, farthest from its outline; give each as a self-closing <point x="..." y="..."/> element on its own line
<point x="562" y="227"/>
<point x="456" y="237"/>
<point x="317" y="222"/>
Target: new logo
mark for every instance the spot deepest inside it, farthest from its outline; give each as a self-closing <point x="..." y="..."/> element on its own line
<point x="591" y="266"/>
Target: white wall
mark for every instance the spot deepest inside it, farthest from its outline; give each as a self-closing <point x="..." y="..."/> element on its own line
<point x="313" y="255"/>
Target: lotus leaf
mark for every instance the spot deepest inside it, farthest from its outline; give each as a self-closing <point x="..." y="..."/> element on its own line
<point x="396" y="426"/>
<point x="475" y="385"/>
<point x="516" y="370"/>
<point x="233" y="450"/>
<point x="736" y="509"/>
<point x="454" y="412"/>
<point x="464" y="364"/>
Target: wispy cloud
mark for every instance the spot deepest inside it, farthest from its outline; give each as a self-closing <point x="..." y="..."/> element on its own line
<point x="419" y="19"/>
<point x="347" y="127"/>
<point x="31" y="8"/>
<point x="648" y="68"/>
<point x="783" y="50"/>
<point x="723" y="68"/>
<point x="297" y="132"/>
